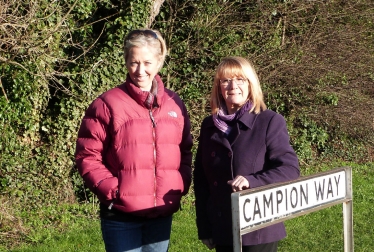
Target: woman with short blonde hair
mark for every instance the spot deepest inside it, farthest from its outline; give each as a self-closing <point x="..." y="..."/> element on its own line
<point x="242" y="145"/>
<point x="237" y="66"/>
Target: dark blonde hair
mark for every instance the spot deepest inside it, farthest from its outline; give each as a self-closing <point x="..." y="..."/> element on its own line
<point x="237" y="67"/>
<point x="146" y="37"/>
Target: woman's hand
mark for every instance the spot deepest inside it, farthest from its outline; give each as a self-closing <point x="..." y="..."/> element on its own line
<point x="238" y="183"/>
<point x="209" y="243"/>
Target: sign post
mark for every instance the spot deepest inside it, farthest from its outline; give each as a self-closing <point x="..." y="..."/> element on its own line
<point x="257" y="208"/>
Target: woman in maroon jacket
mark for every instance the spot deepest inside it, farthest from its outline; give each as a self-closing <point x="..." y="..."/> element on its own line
<point x="241" y="145"/>
<point x="134" y="151"/>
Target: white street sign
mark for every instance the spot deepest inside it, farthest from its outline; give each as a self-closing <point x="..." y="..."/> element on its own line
<point x="256" y="208"/>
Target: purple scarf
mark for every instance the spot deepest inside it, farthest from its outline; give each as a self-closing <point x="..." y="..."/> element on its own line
<point x="220" y="120"/>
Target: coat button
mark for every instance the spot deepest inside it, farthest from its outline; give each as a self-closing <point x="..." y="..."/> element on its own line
<point x="213" y="154"/>
<point x="215" y="183"/>
<point x="229" y="154"/>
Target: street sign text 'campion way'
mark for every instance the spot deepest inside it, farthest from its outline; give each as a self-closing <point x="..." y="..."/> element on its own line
<point x="265" y="206"/>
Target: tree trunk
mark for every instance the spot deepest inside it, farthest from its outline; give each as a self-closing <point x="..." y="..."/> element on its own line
<point x="155" y="9"/>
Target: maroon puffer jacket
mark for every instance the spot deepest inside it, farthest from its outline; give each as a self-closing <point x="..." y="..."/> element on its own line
<point x="134" y="155"/>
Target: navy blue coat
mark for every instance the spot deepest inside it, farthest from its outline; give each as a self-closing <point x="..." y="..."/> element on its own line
<point x="260" y="151"/>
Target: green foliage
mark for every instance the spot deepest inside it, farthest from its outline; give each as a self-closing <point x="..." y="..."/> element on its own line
<point x="307" y="138"/>
<point x="46" y="87"/>
<point x="46" y="91"/>
<point x="199" y="34"/>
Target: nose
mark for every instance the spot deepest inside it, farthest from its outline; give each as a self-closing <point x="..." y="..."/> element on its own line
<point x="233" y="84"/>
<point x="140" y="68"/>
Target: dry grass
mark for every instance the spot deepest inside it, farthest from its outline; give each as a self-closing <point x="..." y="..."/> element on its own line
<point x="11" y="226"/>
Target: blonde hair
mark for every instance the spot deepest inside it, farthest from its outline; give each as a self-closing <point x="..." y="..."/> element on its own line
<point x="237" y="67"/>
<point x="146" y="37"/>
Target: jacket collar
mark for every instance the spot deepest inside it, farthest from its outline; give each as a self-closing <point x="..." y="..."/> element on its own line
<point x="141" y="96"/>
<point x="247" y="119"/>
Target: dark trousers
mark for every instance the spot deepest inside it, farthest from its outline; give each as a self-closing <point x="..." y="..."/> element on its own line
<point x="137" y="235"/>
<point x="267" y="247"/>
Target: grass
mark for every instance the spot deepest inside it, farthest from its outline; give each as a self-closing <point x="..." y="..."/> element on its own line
<point x="323" y="230"/>
<point x="86" y="237"/>
<point x="318" y="231"/>
<point x="83" y="235"/>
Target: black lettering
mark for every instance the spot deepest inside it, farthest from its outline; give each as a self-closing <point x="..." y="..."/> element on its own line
<point x="295" y="196"/>
<point x="329" y="189"/>
<point x="256" y="209"/>
<point x="279" y="199"/>
<point x="337" y="184"/>
<point x="247" y="219"/>
<point x="319" y="191"/>
<point x="268" y="204"/>
<point x="286" y="200"/>
<point x="302" y="193"/>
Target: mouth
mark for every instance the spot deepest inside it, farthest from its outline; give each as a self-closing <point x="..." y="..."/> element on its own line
<point x="142" y="76"/>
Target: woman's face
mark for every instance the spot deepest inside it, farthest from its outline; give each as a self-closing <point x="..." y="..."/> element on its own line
<point x="235" y="92"/>
<point x="142" y="65"/>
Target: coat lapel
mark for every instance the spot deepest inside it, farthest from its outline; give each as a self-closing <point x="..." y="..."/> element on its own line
<point x="247" y="120"/>
<point x="219" y="138"/>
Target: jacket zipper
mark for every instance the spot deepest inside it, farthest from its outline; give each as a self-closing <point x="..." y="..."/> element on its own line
<point x="152" y="118"/>
<point x="154" y="155"/>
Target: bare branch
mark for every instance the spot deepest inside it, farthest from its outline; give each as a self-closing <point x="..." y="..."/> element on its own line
<point x="155" y="9"/>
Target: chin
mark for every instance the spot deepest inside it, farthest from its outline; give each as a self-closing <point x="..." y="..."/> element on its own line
<point x="144" y="86"/>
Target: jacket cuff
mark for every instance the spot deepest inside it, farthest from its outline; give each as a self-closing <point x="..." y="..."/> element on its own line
<point x="107" y="189"/>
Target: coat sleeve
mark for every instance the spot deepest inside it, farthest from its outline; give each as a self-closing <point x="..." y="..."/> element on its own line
<point x="281" y="160"/>
<point x="93" y="137"/>
<point x="186" y="154"/>
<point x="202" y="195"/>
